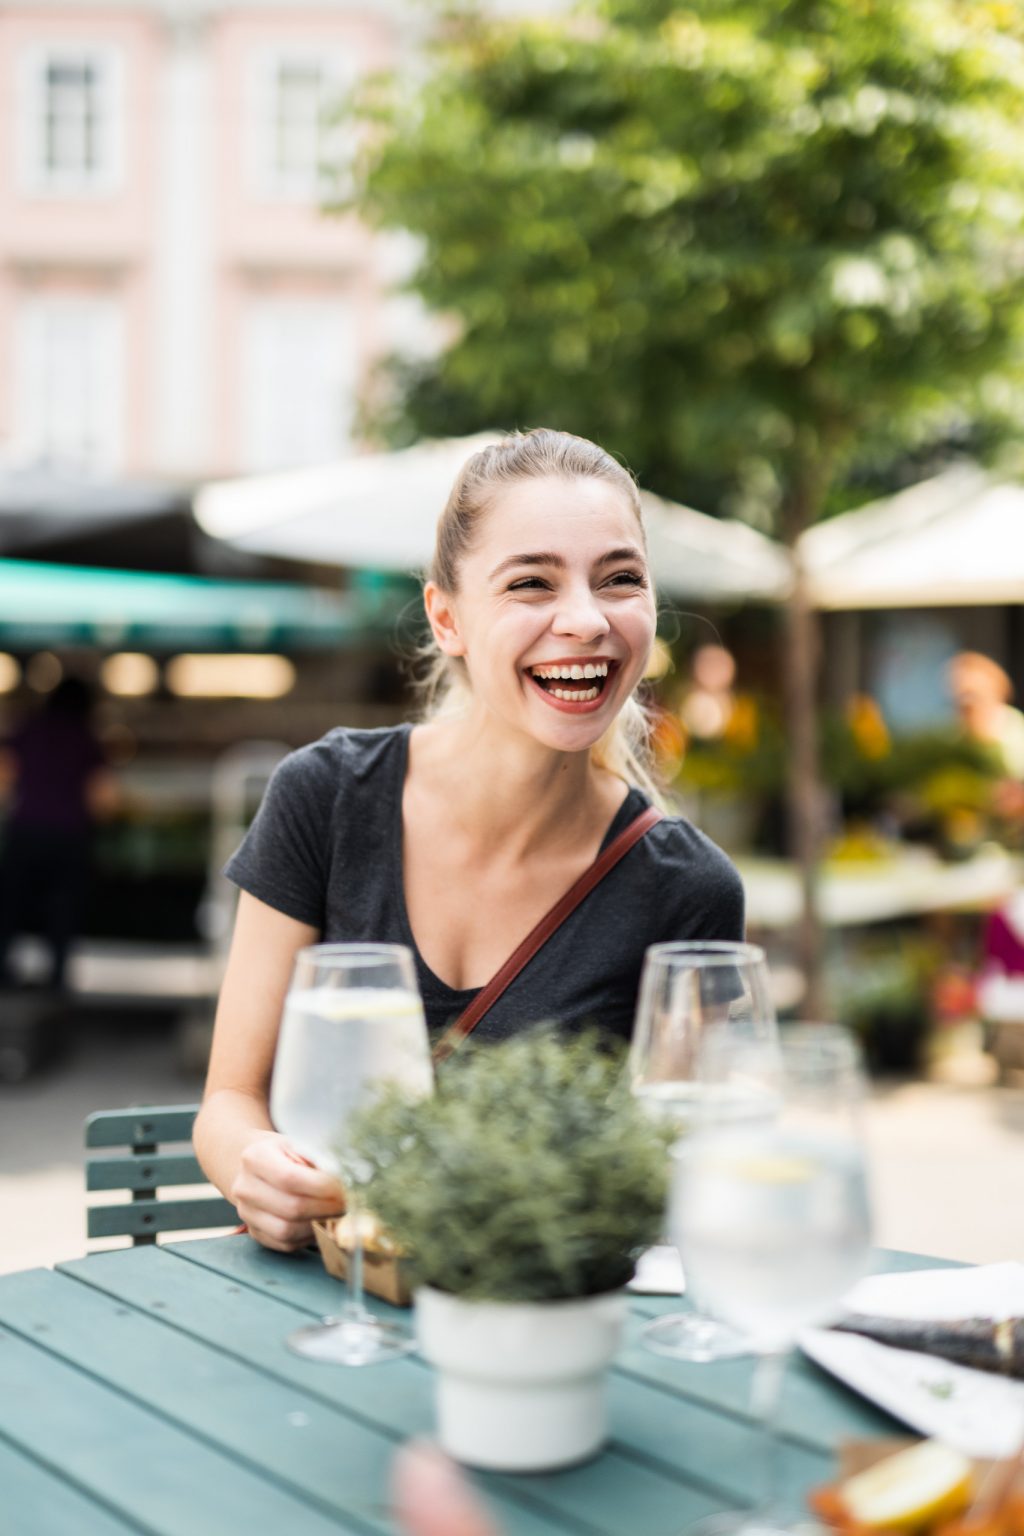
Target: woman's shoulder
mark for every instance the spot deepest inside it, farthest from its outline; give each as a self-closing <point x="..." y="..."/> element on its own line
<point x="343" y="754"/>
<point x="679" y="843"/>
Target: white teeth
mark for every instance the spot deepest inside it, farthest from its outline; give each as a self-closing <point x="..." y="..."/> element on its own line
<point x="572" y="673"/>
<point x="576" y="695"/>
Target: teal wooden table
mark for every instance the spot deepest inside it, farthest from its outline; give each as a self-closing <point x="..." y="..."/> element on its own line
<point x="149" y="1390"/>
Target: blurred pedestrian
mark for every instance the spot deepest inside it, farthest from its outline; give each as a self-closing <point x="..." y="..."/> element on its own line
<point x="57" y="784"/>
<point x="981" y="693"/>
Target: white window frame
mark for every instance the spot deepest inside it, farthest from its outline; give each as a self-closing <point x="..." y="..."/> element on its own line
<point x="105" y="397"/>
<point x="265" y="180"/>
<point x="332" y="319"/>
<point x="36" y="178"/>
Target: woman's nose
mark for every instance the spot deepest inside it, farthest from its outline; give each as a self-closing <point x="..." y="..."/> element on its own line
<point x="580" y="614"/>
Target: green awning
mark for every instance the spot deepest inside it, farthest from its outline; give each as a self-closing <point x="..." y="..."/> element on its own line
<point x="52" y="605"/>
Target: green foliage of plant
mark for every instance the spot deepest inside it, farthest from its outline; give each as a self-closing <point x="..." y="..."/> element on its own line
<point x="531" y="1174"/>
<point x="749" y="246"/>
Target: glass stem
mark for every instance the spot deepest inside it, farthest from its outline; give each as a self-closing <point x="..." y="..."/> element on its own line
<point x="764" y="1402"/>
<point x="355" y="1310"/>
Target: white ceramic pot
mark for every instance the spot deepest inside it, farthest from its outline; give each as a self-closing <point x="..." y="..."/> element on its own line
<point x="521" y="1386"/>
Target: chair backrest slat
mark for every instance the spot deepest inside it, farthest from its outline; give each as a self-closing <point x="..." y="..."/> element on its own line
<point x="143" y="1172"/>
<point x="140" y="1127"/>
<point x="143" y="1169"/>
<point x="144" y="1218"/>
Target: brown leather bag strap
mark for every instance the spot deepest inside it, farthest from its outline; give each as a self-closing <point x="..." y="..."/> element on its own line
<point x="538" y="936"/>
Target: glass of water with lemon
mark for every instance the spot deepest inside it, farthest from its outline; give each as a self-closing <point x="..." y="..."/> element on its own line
<point x="353" y="1023"/>
<point x="773" y="1216"/>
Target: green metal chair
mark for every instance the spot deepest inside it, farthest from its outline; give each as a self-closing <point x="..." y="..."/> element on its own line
<point x="140" y="1166"/>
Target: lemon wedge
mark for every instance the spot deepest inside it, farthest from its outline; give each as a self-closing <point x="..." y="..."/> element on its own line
<point x="921" y="1486"/>
<point x="774" y="1168"/>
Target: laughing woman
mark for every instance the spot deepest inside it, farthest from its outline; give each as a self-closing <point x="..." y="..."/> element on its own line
<point x="455" y="836"/>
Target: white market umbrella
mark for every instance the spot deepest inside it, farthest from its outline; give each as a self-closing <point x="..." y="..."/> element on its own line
<point x="376" y="511"/>
<point x="695" y="556"/>
<point x="380" y="511"/>
<point x="957" y="539"/>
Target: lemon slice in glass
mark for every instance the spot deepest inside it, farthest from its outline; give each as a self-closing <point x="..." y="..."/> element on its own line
<point x="921" y="1486"/>
<point x="774" y="1168"/>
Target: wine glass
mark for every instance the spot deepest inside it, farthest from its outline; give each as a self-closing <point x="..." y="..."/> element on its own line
<point x="353" y="1023"/>
<point x="774" y="1219"/>
<point x="696" y="1001"/>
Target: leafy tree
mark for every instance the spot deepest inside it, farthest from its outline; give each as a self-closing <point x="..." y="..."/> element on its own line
<point x="750" y="245"/>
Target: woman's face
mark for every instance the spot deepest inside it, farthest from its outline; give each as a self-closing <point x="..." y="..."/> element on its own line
<point x="554" y="615"/>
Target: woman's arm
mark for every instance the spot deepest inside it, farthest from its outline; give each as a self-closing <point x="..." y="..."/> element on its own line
<point x="277" y="1193"/>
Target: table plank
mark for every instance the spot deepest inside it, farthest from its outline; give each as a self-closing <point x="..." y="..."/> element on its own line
<point x="38" y="1502"/>
<point x="159" y="1478"/>
<point x="398" y="1398"/>
<point x="277" y="1431"/>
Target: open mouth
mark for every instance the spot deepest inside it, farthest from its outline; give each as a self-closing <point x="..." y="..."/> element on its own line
<point x="575" y="682"/>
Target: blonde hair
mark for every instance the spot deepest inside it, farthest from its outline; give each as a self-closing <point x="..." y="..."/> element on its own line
<point x="624" y="748"/>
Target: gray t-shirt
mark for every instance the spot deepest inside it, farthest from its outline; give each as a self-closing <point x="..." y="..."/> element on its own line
<point x="326" y="849"/>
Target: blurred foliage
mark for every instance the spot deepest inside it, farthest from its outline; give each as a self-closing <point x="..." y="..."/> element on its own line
<point x="755" y="247"/>
<point x="936" y="786"/>
<point x="881" y="990"/>
<point x="531" y="1174"/>
<point x="748" y="759"/>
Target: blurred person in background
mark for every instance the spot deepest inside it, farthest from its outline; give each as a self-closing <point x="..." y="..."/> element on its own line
<point x="55" y="780"/>
<point x="981" y="693"/>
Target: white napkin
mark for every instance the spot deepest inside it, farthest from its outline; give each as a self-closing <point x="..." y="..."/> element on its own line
<point x="979" y="1413"/>
<point x="659" y="1272"/>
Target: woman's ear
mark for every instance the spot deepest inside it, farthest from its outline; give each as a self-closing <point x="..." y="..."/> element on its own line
<point x="442" y="619"/>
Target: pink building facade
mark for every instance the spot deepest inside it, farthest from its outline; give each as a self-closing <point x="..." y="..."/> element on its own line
<point x="172" y="301"/>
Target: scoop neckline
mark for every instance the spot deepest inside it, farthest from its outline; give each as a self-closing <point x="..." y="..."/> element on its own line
<point x="464" y="994"/>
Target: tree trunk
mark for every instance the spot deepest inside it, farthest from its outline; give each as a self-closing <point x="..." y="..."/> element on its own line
<point x="804" y="791"/>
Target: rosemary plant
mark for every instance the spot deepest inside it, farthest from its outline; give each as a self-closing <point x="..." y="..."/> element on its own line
<point x="531" y="1174"/>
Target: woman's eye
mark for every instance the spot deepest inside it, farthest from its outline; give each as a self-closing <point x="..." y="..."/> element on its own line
<point x="528" y="584"/>
<point x="627" y="579"/>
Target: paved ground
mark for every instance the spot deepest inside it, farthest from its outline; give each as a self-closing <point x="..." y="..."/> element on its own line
<point x="947" y="1156"/>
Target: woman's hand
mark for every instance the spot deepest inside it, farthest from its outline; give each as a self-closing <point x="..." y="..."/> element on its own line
<point x="278" y="1194"/>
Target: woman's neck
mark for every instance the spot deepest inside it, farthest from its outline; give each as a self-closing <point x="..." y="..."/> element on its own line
<point x="513" y="792"/>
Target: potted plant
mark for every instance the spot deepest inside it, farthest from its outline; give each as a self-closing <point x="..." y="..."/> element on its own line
<point x="523" y="1191"/>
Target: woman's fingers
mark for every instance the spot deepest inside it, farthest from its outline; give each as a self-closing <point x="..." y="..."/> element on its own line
<point x="278" y="1194"/>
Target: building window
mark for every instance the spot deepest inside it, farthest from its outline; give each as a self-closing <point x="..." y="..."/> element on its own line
<point x="297" y="141"/>
<point x="298" y="383"/>
<point x="68" y="384"/>
<point x="71" y="120"/>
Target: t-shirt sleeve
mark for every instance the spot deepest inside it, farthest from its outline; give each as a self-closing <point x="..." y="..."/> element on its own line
<point x="283" y="858"/>
<point x="710" y="900"/>
<point x="724" y="915"/>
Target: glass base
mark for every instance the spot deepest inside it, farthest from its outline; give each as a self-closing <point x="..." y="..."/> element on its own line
<point x="351" y="1341"/>
<point x="748" y="1522"/>
<point x="688" y="1336"/>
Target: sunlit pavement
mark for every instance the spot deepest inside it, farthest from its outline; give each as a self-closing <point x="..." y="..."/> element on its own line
<point x="947" y="1156"/>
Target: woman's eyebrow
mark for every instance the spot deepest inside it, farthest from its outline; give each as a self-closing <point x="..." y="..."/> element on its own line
<point x="535" y="559"/>
<point x="627" y="552"/>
